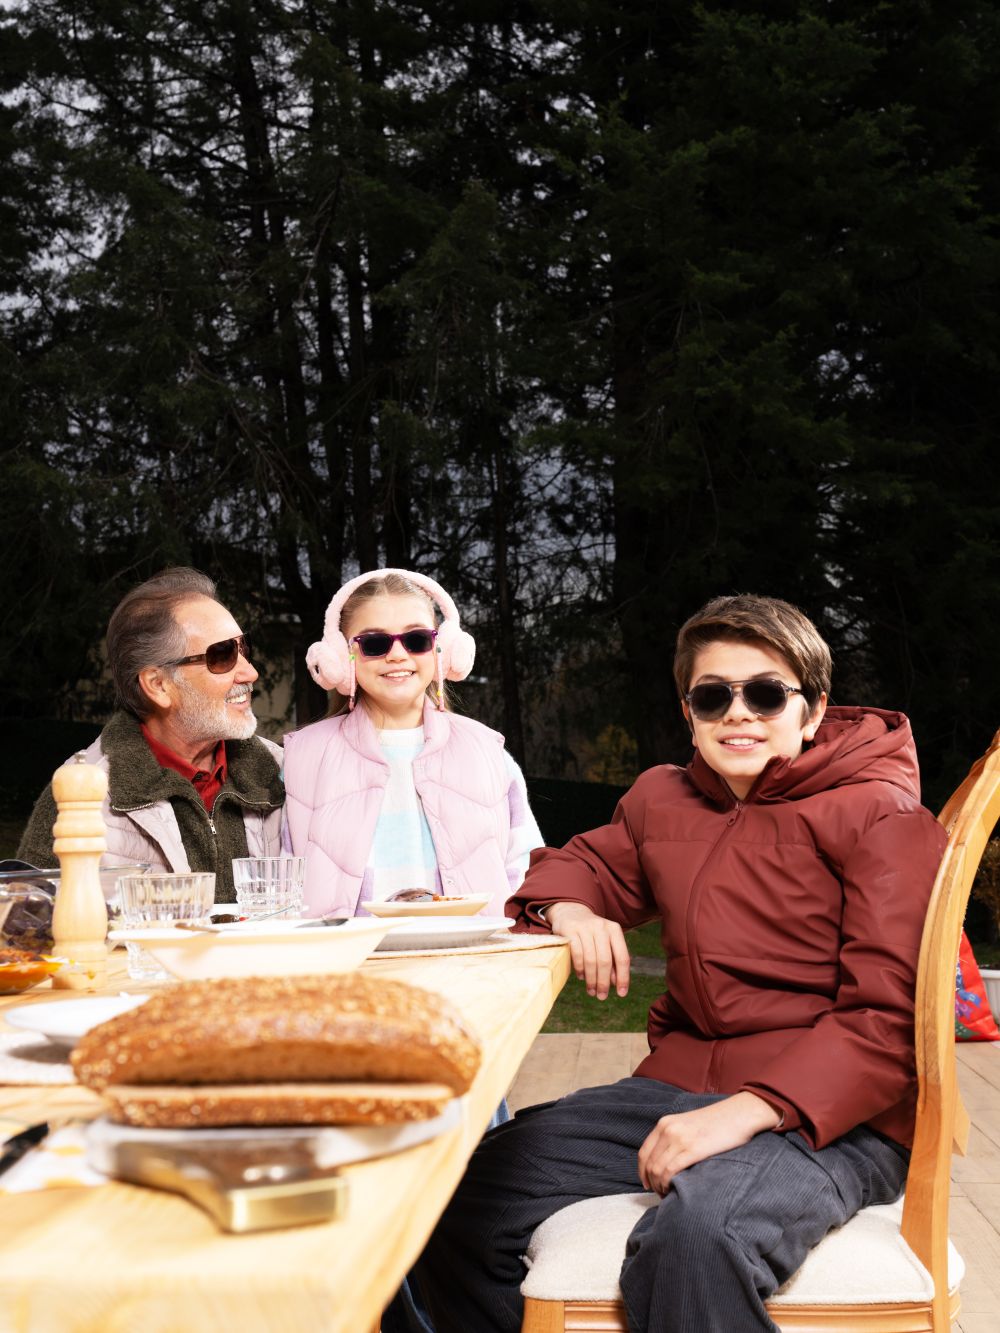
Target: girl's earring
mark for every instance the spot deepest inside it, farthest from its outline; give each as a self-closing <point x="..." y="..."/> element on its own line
<point x="440" y="684"/>
<point x="354" y="684"/>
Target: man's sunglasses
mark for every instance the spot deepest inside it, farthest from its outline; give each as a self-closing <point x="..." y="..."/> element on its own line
<point x="218" y="657"/>
<point x="375" y="643"/>
<point x="765" y="698"/>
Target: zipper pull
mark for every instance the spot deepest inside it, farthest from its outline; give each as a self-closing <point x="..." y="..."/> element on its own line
<point x="211" y="825"/>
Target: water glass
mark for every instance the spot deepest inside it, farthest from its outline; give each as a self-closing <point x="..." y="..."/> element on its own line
<point x="158" y="899"/>
<point x="268" y="884"/>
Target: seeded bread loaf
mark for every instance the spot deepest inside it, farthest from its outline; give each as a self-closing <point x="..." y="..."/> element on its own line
<point x="229" y="1033"/>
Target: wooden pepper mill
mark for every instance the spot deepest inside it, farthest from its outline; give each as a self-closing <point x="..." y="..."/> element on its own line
<point x="80" y="917"/>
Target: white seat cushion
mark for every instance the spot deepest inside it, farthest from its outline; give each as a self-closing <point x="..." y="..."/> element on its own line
<point x="576" y="1255"/>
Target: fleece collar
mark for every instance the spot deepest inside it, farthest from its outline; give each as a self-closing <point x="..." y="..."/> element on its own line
<point x="135" y="778"/>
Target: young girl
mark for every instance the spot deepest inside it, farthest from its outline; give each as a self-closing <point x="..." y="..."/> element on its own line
<point x="394" y="791"/>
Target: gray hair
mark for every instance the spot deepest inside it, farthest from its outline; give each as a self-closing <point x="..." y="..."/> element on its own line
<point x="143" y="631"/>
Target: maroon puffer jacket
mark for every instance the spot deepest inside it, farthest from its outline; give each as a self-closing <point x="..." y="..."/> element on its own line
<point x="791" y="921"/>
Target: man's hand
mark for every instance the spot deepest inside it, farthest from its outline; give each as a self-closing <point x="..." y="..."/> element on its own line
<point x="597" y="947"/>
<point x="681" y="1140"/>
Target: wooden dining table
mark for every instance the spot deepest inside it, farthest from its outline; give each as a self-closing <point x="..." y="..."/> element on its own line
<point x="120" y="1258"/>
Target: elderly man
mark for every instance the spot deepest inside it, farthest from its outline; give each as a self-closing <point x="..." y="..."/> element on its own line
<point x="189" y="785"/>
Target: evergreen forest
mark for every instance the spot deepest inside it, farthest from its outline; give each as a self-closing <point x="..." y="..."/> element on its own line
<point x="589" y="310"/>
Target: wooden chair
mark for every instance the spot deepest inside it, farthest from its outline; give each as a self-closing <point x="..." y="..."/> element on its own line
<point x="891" y="1269"/>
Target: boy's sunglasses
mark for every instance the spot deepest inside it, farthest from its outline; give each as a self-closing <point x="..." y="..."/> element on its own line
<point x="218" y="657"/>
<point x="374" y="643"/>
<point x="765" y="698"/>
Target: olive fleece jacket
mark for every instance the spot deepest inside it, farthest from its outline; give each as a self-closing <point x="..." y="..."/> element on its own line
<point x="154" y="815"/>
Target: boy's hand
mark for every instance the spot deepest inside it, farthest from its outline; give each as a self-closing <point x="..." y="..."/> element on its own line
<point x="681" y="1140"/>
<point x="597" y="947"/>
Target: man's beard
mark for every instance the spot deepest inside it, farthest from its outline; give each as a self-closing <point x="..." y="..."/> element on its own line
<point x="202" y="719"/>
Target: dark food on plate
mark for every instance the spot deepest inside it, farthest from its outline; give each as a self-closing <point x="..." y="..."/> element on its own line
<point x="280" y="1050"/>
<point x="423" y="896"/>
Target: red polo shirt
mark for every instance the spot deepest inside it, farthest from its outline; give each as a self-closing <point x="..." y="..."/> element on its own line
<point x="206" y="782"/>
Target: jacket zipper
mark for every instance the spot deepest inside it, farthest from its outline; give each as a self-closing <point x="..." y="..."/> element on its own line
<point x="693" y="954"/>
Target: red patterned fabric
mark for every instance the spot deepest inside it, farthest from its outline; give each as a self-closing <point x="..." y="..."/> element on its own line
<point x="974" y="1019"/>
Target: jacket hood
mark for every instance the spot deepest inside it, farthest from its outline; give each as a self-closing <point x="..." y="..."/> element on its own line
<point x="852" y="745"/>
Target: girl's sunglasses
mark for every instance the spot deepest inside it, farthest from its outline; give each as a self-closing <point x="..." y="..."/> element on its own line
<point x="218" y="657"/>
<point x="765" y="698"/>
<point x="374" y="643"/>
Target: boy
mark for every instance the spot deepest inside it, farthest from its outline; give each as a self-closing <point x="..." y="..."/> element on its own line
<point x="790" y="865"/>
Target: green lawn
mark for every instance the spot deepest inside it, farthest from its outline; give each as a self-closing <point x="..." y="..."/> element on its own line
<point x="576" y="1011"/>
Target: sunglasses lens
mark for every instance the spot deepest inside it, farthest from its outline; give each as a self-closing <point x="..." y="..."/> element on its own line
<point x="766" y="698"/>
<point x="223" y="656"/>
<point x="709" y="702"/>
<point x="374" y="644"/>
<point x="417" y="640"/>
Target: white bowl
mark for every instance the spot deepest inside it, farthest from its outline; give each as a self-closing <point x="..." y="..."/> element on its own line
<point x="259" y="949"/>
<point x="465" y="905"/>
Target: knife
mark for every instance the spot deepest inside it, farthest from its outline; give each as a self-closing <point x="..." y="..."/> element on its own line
<point x="199" y="929"/>
<point x="17" y="1145"/>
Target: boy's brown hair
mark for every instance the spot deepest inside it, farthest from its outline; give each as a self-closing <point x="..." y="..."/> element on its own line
<point x="746" y="618"/>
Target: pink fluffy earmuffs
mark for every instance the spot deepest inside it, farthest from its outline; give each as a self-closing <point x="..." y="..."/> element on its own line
<point x="331" y="660"/>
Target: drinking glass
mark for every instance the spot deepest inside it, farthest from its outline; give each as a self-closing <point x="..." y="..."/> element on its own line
<point x="158" y="899"/>
<point x="268" y="884"/>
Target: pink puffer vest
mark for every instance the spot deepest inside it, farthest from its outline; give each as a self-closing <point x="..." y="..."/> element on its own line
<point x="335" y="780"/>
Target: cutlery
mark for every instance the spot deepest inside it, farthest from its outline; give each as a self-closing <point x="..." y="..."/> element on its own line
<point x="213" y="929"/>
<point x="220" y="930"/>
<point x="14" y="1148"/>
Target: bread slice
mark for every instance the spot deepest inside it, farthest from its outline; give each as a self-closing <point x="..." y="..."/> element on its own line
<point x="208" y="1106"/>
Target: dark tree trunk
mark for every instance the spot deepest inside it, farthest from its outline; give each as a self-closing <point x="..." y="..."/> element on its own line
<point x="506" y="616"/>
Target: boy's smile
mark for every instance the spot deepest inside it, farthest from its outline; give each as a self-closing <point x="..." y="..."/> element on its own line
<point x="739" y="744"/>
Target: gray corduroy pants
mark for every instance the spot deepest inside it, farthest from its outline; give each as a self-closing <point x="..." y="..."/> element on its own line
<point x="730" y="1230"/>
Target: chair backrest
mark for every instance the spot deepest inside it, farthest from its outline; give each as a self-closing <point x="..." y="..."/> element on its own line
<point x="969" y="816"/>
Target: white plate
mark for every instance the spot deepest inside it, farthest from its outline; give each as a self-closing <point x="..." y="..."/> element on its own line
<point x="465" y="905"/>
<point x="259" y="948"/>
<point x="442" y="932"/>
<point x="64" y="1022"/>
